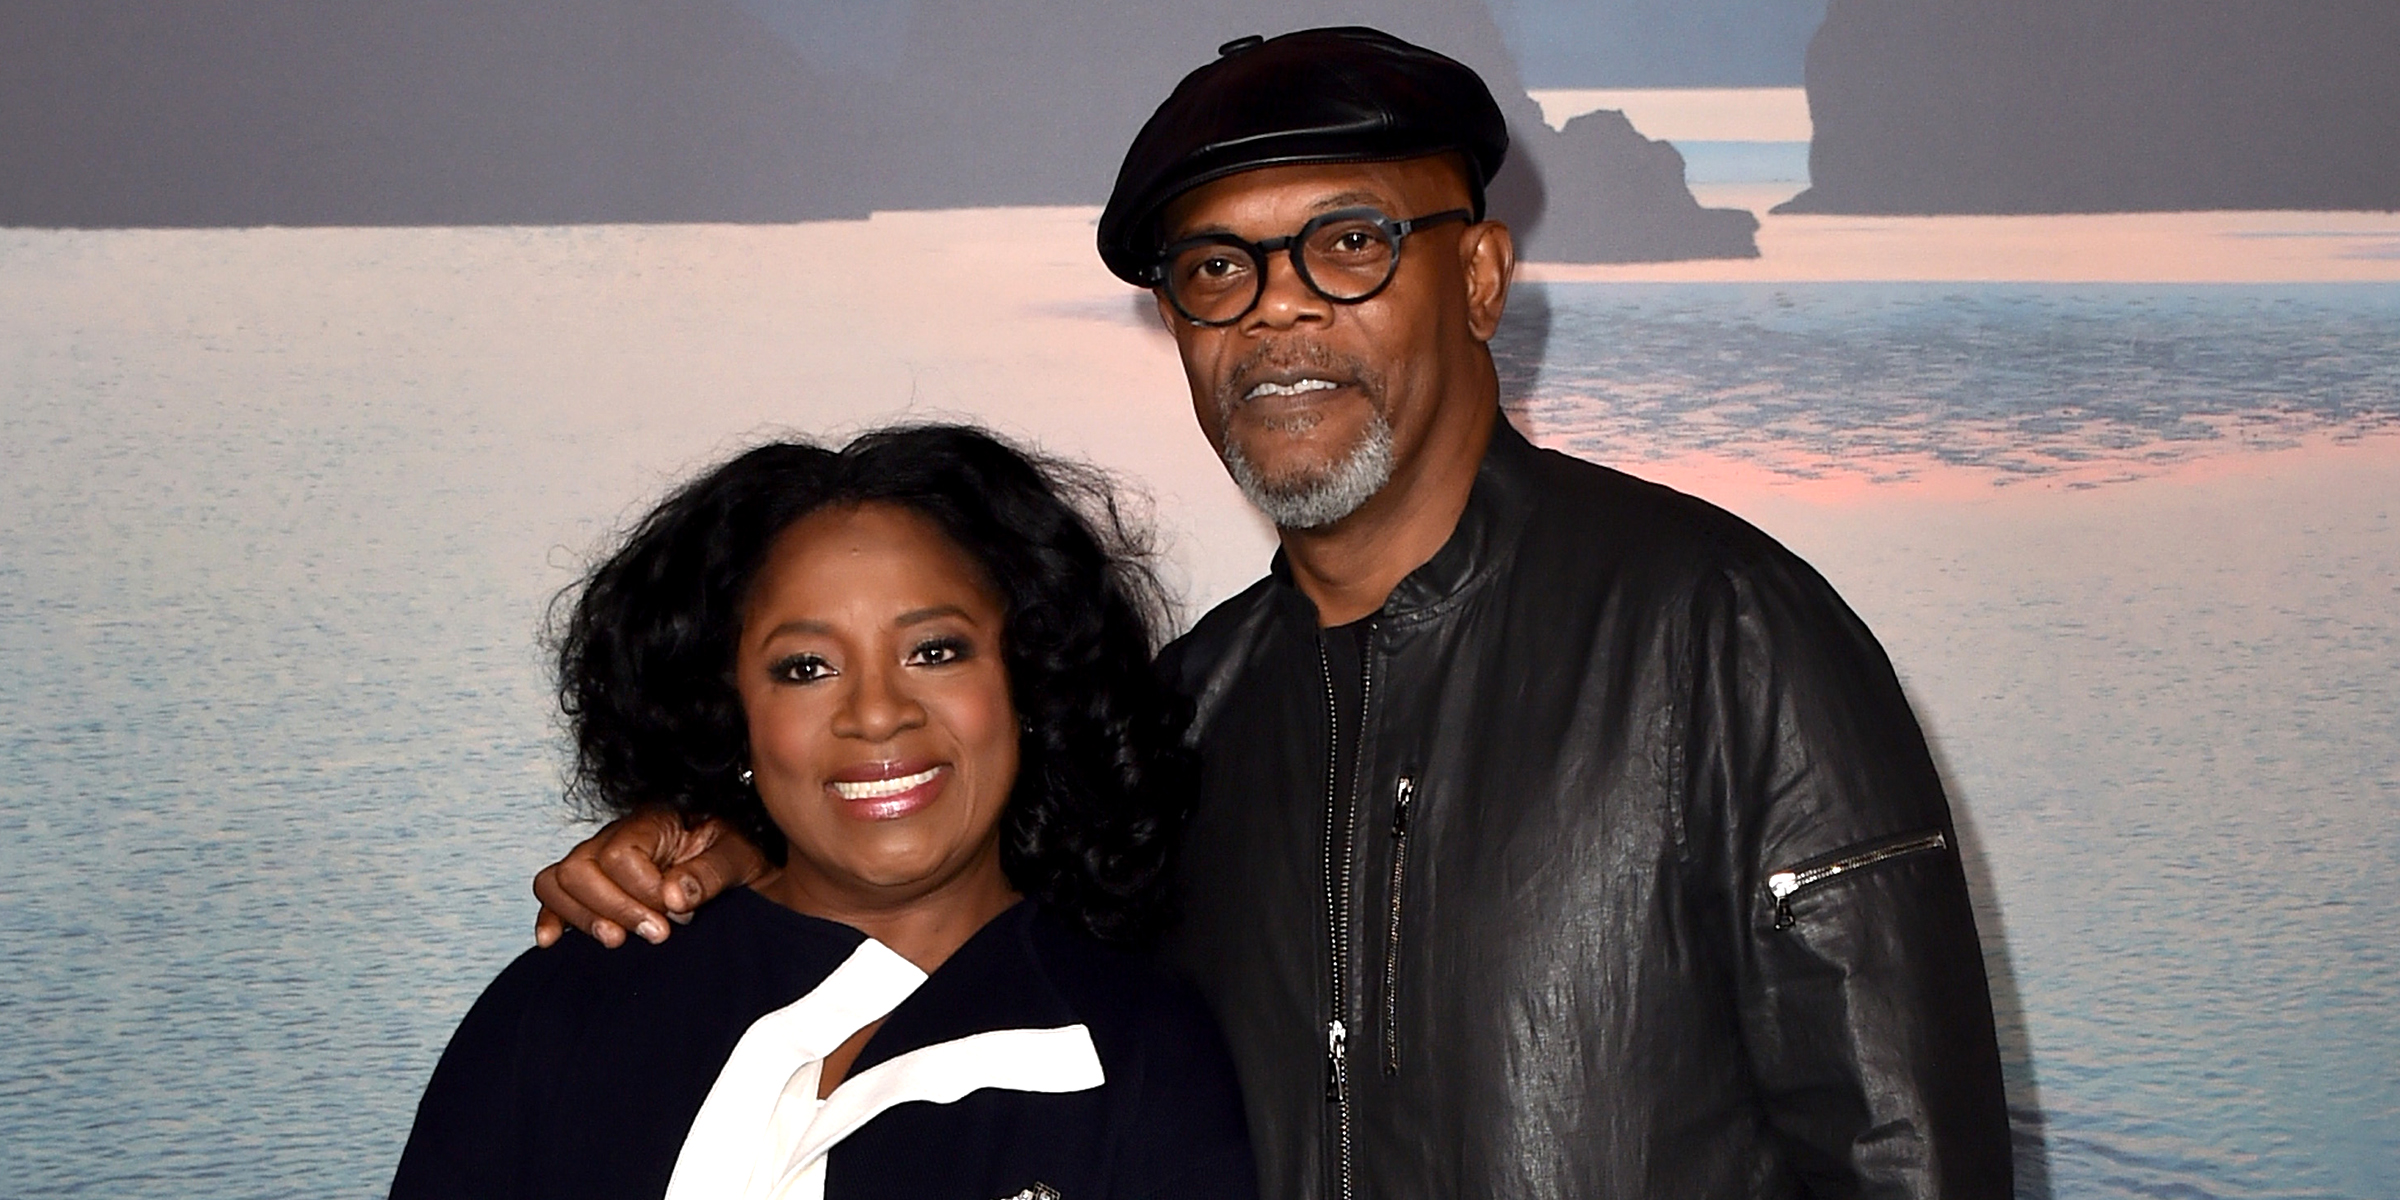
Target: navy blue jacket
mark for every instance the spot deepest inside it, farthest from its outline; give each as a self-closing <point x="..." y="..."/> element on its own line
<point x="578" y="1072"/>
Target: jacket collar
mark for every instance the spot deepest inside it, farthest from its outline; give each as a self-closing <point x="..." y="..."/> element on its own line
<point x="1496" y="511"/>
<point x="994" y="982"/>
<point x="986" y="1018"/>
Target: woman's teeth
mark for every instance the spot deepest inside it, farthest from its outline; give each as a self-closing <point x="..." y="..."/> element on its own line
<point x="1293" y="388"/>
<point x="877" y="789"/>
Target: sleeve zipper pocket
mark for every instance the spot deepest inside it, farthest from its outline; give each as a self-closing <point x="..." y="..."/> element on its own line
<point x="1783" y="885"/>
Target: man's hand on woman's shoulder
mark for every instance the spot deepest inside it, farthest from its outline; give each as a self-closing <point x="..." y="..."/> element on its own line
<point x="640" y="872"/>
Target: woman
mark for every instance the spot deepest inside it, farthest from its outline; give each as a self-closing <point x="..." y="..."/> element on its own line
<point x="920" y="679"/>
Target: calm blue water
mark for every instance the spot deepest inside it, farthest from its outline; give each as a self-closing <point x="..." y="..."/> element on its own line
<point x="276" y="762"/>
<point x="2020" y="381"/>
<point x="1743" y="162"/>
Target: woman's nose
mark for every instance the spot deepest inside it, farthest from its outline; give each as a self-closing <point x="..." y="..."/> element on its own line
<point x="879" y="705"/>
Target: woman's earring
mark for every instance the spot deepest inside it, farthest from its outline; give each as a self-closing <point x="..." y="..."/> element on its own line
<point x="747" y="777"/>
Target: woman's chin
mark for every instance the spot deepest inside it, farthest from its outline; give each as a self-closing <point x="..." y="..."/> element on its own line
<point x="895" y="879"/>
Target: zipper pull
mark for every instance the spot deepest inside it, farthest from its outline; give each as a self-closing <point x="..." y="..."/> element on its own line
<point x="1781" y="885"/>
<point x="1337" y="1069"/>
<point x="1401" y="795"/>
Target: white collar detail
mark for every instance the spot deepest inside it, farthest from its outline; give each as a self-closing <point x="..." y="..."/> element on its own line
<point x="762" y="1134"/>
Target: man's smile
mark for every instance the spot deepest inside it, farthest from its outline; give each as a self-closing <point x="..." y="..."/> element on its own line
<point x="1294" y="388"/>
<point x="1288" y="383"/>
<point x="1294" y="407"/>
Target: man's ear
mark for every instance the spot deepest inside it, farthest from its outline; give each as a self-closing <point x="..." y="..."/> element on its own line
<point x="1488" y="258"/>
<point x="1166" y="311"/>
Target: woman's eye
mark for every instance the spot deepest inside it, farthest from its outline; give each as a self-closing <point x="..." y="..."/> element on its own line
<point x="938" y="651"/>
<point x="800" y="668"/>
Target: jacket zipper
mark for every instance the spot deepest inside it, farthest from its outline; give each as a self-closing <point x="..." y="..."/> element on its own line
<point x="1402" y="793"/>
<point x="1784" y="884"/>
<point x="1340" y="862"/>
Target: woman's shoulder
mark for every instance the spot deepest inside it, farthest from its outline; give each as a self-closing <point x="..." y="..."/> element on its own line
<point x="743" y="956"/>
<point x="647" y="1026"/>
<point x="661" y="1006"/>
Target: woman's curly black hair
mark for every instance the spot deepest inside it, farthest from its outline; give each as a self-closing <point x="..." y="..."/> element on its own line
<point x="645" y="655"/>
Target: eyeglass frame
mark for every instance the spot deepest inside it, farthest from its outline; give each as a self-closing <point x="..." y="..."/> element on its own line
<point x="1395" y="232"/>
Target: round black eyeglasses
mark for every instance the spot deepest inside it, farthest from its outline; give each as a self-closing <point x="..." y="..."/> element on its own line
<point x="1346" y="256"/>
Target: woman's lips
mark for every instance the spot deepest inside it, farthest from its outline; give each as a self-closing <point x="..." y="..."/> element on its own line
<point x="887" y="796"/>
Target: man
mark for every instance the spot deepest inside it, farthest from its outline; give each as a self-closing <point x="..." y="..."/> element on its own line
<point x="1561" y="835"/>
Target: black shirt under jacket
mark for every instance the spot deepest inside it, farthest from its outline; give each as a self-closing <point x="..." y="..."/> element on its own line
<point x="1640" y="882"/>
<point x="579" y="1071"/>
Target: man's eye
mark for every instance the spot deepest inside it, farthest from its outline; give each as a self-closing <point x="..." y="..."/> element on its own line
<point x="801" y="668"/>
<point x="939" y="651"/>
<point x="1211" y="267"/>
<point x="1354" y="244"/>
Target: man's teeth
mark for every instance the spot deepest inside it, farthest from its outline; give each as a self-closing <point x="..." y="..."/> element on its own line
<point x="877" y="789"/>
<point x="1293" y="388"/>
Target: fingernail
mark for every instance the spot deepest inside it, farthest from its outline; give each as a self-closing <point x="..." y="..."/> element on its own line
<point x="651" y="931"/>
<point x="680" y="918"/>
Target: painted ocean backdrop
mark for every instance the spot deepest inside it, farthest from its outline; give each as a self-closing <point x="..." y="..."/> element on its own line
<point x="281" y="511"/>
<point x="2013" y="382"/>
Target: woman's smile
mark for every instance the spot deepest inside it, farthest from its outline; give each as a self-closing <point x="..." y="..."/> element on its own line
<point x="888" y="791"/>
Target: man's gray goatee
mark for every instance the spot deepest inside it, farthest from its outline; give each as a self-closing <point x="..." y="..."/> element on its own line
<point x="1317" y="500"/>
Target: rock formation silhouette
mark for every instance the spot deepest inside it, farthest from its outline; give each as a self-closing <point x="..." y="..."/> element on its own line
<point x="2054" y="106"/>
<point x="298" y="112"/>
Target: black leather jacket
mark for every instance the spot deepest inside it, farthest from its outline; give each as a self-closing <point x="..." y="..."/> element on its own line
<point x="1646" y="887"/>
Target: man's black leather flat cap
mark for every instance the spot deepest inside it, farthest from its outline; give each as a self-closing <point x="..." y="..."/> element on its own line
<point x="1347" y="94"/>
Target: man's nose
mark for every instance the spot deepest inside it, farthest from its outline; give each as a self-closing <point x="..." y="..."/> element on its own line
<point x="1284" y="298"/>
<point x="879" y="705"/>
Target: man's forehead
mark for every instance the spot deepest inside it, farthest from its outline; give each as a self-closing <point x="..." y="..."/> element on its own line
<point x="1304" y="190"/>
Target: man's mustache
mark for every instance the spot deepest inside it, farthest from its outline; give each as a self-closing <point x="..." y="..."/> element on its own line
<point x="1289" y="358"/>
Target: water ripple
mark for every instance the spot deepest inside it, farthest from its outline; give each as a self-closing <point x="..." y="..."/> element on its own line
<point x="2093" y="383"/>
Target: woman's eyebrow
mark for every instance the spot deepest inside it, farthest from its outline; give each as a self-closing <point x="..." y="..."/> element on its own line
<point x="918" y="616"/>
<point x="802" y="626"/>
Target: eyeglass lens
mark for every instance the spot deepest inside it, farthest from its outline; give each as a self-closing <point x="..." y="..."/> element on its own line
<point x="1342" y="256"/>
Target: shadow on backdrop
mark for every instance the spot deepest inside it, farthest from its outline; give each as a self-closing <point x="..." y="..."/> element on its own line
<point x="2028" y="1126"/>
<point x="1521" y="344"/>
